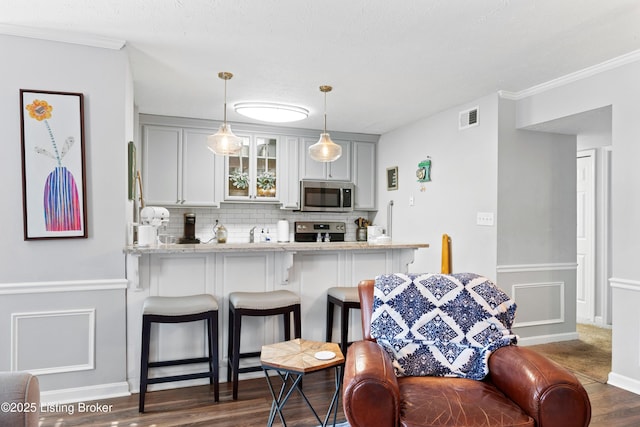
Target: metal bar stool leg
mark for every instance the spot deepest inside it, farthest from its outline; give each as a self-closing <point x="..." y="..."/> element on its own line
<point x="237" y="324"/>
<point x="144" y="361"/>
<point x="344" y="328"/>
<point x="214" y="364"/>
<point x="329" y="325"/>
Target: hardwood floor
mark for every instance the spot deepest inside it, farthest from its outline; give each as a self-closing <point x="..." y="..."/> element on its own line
<point x="193" y="406"/>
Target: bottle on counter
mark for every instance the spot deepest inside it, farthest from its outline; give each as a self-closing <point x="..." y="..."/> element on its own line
<point x="220" y="232"/>
<point x="319" y="237"/>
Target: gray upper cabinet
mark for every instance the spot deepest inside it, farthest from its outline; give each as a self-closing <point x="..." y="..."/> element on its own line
<point x="289" y="173"/>
<point x="339" y="170"/>
<point x="364" y="175"/>
<point x="178" y="168"/>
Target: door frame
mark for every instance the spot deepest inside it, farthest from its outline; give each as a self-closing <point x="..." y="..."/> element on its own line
<point x="603" y="218"/>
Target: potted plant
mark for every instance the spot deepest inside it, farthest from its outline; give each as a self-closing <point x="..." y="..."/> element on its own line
<point x="266" y="184"/>
<point x="239" y="183"/>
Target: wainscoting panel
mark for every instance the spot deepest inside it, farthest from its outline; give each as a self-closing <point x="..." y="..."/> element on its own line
<point x="546" y="298"/>
<point x="71" y="334"/>
<point x="75" y="328"/>
<point x="549" y="307"/>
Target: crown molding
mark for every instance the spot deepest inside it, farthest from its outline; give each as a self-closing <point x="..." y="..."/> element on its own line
<point x="573" y="77"/>
<point x="62" y="36"/>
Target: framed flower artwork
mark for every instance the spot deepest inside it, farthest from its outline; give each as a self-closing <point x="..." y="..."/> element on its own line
<point x="53" y="164"/>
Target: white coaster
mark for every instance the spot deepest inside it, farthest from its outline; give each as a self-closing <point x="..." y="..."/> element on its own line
<point x="325" y="355"/>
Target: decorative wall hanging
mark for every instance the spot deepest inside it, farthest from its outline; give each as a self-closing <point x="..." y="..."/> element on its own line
<point x="392" y="178"/>
<point x="131" y="178"/>
<point x="53" y="164"/>
<point x="424" y="172"/>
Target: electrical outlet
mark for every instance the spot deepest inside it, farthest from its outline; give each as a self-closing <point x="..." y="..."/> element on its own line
<point x="484" y="218"/>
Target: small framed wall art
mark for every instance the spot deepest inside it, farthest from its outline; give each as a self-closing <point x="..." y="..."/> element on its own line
<point x="53" y="164"/>
<point x="392" y="178"/>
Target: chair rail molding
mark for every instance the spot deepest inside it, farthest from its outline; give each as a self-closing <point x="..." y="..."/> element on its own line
<point x="630" y="285"/>
<point x="526" y="268"/>
<point x="60" y="286"/>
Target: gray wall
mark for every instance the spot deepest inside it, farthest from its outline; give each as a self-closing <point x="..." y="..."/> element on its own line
<point x="536" y="194"/>
<point x="615" y="85"/>
<point x="537" y="227"/>
<point x="521" y="177"/>
<point x="464" y="182"/>
<point x="101" y="75"/>
<point x="58" y="294"/>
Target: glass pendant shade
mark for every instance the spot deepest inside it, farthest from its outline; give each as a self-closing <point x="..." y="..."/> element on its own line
<point x="325" y="150"/>
<point x="224" y="142"/>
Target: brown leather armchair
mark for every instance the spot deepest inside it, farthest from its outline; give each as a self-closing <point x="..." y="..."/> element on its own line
<point x="523" y="389"/>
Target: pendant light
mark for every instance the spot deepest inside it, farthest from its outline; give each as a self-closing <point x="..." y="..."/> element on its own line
<point x="325" y="150"/>
<point x="224" y="142"/>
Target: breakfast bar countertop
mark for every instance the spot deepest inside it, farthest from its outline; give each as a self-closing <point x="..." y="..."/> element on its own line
<point x="261" y="247"/>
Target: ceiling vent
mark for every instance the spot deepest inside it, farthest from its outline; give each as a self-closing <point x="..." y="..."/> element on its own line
<point x="468" y="118"/>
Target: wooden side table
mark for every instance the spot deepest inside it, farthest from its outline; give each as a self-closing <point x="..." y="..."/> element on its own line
<point x="292" y="360"/>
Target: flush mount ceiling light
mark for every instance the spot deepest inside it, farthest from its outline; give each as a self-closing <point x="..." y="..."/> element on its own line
<point x="270" y="112"/>
<point x="325" y="150"/>
<point x="224" y="142"/>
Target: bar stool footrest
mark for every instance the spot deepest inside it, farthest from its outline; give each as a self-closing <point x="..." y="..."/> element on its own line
<point x="178" y="362"/>
<point x="246" y="369"/>
<point x="252" y="354"/>
<point x="184" y="377"/>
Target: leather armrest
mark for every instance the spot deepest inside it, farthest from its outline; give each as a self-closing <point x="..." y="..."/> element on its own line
<point x="371" y="394"/>
<point x="365" y="293"/>
<point x="549" y="393"/>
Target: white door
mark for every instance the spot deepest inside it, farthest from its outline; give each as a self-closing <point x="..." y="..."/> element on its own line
<point x="585" y="279"/>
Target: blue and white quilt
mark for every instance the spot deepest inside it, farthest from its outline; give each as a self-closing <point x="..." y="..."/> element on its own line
<point x="439" y="324"/>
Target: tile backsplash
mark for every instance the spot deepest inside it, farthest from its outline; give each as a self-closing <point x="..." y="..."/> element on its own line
<point x="239" y="218"/>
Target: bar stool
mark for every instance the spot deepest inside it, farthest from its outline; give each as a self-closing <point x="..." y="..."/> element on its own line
<point x="179" y="310"/>
<point x="257" y="304"/>
<point x="347" y="298"/>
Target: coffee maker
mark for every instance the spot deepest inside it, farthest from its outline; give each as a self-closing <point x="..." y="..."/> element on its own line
<point x="189" y="229"/>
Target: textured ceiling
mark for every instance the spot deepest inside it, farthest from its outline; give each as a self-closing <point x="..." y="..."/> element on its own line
<point x="390" y="63"/>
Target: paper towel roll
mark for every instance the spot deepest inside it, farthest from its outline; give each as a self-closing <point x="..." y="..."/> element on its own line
<point x="373" y="232"/>
<point x="283" y="230"/>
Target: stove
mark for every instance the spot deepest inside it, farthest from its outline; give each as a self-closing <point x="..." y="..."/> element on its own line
<point x="307" y="231"/>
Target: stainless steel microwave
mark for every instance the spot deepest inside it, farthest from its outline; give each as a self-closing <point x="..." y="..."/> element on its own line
<point x="326" y="196"/>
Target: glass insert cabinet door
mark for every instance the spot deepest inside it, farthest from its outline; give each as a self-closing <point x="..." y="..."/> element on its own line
<point x="253" y="174"/>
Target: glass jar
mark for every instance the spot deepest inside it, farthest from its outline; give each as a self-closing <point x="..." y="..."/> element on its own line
<point x="221" y="234"/>
<point x="361" y="234"/>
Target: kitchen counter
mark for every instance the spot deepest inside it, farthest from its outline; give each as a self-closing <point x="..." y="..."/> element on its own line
<point x="270" y="247"/>
<point x="307" y="269"/>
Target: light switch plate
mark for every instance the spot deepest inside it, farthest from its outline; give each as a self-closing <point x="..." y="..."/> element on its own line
<point x="484" y="218"/>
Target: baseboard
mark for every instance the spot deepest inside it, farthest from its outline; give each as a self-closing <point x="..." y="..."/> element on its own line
<point x="545" y="339"/>
<point x="83" y="394"/>
<point x="625" y="383"/>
